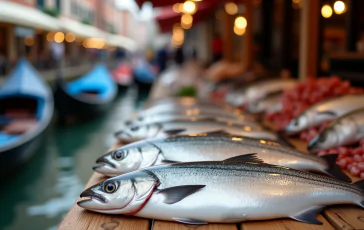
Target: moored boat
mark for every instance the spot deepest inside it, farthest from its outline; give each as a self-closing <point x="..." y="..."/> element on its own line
<point x="26" y="110"/>
<point x="87" y="96"/>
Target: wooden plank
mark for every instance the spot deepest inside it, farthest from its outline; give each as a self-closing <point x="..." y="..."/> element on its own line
<point x="285" y="224"/>
<point x="165" y="225"/>
<point x="345" y="217"/>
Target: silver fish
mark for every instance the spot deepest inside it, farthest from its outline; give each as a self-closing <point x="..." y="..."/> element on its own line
<point x="269" y="104"/>
<point x="182" y="127"/>
<point x="193" y="110"/>
<point x="183" y="101"/>
<point x="259" y="91"/>
<point x="325" y="111"/>
<point x="345" y="130"/>
<point x="207" y="147"/>
<point x="220" y="192"/>
<point x="161" y="118"/>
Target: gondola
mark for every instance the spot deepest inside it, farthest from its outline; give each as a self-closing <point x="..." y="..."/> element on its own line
<point x="26" y="110"/>
<point x="144" y="74"/>
<point x="123" y="76"/>
<point x="85" y="97"/>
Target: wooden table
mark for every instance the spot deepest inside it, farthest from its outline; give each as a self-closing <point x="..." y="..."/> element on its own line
<point x="336" y="217"/>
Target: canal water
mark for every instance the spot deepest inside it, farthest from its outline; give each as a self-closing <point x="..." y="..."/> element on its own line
<point x="40" y="194"/>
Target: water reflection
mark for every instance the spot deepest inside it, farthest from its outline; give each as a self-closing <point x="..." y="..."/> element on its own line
<point x="42" y="191"/>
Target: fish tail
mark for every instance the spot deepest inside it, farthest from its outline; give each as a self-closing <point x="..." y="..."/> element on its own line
<point x="333" y="169"/>
<point x="360" y="185"/>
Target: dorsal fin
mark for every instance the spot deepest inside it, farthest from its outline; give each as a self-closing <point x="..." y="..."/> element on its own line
<point x="252" y="157"/>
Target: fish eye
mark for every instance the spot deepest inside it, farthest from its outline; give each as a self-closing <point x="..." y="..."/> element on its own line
<point x="119" y="155"/>
<point x="135" y="128"/>
<point x="322" y="138"/>
<point x="110" y="187"/>
<point x="296" y="122"/>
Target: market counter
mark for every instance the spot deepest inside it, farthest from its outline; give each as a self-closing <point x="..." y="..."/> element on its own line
<point x="336" y="217"/>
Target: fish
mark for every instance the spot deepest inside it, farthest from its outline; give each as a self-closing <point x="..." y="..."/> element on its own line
<point x="191" y="110"/>
<point x="181" y="127"/>
<point x="325" y="111"/>
<point x="184" y="101"/>
<point x="211" y="147"/>
<point x="258" y="91"/>
<point x="269" y="104"/>
<point x="226" y="191"/>
<point x="345" y="130"/>
<point x="161" y="118"/>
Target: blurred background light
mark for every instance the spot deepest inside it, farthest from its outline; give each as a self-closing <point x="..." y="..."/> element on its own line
<point x="339" y="7"/>
<point x="240" y="22"/>
<point x="326" y="11"/>
<point x="70" y="37"/>
<point x="177" y="36"/>
<point x="231" y="8"/>
<point x="239" y="31"/>
<point x="177" y="8"/>
<point x="59" y="37"/>
<point x="29" y="41"/>
<point x="186" y="19"/>
<point x="50" y="36"/>
<point x="189" y="7"/>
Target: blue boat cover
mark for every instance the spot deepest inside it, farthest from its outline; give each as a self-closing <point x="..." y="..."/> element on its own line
<point x="24" y="80"/>
<point x="99" y="79"/>
<point x="144" y="72"/>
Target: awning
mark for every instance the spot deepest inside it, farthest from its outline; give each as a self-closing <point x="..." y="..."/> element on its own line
<point x="167" y="17"/>
<point x="83" y="30"/>
<point x="26" y="16"/>
<point x="122" y="42"/>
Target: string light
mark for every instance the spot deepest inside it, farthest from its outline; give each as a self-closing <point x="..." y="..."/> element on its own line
<point x="70" y="37"/>
<point x="59" y="37"/>
<point x="239" y="31"/>
<point x="326" y="11"/>
<point x="231" y="8"/>
<point x="189" y="7"/>
<point x="240" y="22"/>
<point x="339" y="7"/>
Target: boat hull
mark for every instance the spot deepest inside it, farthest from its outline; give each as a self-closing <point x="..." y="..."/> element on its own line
<point x="72" y="108"/>
<point x="13" y="158"/>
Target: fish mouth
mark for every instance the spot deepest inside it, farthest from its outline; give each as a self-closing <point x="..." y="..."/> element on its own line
<point x="312" y="146"/>
<point x="88" y="193"/>
<point x="102" y="162"/>
<point x="118" y="133"/>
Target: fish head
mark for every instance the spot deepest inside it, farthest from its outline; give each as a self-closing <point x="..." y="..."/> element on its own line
<point x="119" y="161"/>
<point x="128" y="159"/>
<point x="125" y="194"/>
<point x="298" y="124"/>
<point x="138" y="132"/>
<point x="326" y="139"/>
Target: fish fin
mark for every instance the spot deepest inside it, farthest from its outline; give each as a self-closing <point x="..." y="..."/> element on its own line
<point x="328" y="113"/>
<point x="309" y="215"/>
<point x="333" y="169"/>
<point x="218" y="133"/>
<point x="252" y="157"/>
<point x="190" y="221"/>
<point x="170" y="162"/>
<point x="360" y="185"/>
<point x="174" y="131"/>
<point x="178" y="193"/>
<point x="283" y="140"/>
